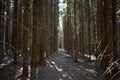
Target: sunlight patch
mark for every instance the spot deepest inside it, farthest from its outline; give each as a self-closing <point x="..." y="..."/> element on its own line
<point x="58" y="69"/>
<point x="92" y="57"/>
<point x="80" y="60"/>
<point x="64" y="75"/>
<point x="90" y="70"/>
<point x="53" y="62"/>
<point x="29" y="70"/>
<point x="60" y="79"/>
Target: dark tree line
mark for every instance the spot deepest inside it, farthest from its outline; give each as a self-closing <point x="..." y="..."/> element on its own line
<point x="90" y="28"/>
<point x="28" y="28"/>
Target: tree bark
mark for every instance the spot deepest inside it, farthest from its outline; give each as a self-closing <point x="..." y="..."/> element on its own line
<point x="14" y="31"/>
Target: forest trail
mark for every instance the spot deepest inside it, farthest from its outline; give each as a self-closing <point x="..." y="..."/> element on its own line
<point x="68" y="70"/>
<point x="60" y="66"/>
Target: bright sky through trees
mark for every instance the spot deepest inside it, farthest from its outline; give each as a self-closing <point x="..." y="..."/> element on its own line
<point x="61" y="13"/>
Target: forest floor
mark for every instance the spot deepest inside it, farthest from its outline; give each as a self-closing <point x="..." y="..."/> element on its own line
<point x="60" y="66"/>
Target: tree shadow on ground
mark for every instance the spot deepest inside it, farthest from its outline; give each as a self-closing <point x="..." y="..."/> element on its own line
<point x="9" y="71"/>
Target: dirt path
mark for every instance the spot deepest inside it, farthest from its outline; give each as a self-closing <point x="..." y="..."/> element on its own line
<point x="60" y="66"/>
<point x="69" y="70"/>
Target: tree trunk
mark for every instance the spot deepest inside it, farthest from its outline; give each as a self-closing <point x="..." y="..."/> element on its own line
<point x="75" y="35"/>
<point x="34" y="36"/>
<point x="14" y="31"/>
<point x="107" y="39"/>
<point x="25" y="36"/>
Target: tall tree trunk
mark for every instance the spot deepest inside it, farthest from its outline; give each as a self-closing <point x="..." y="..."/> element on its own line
<point x="20" y="28"/>
<point x="41" y="34"/>
<point x="34" y="36"/>
<point x="89" y="30"/>
<point x="1" y="27"/>
<point x="75" y="35"/>
<point x="7" y="40"/>
<point x="114" y="28"/>
<point x="99" y="25"/>
<point x="81" y="29"/>
<point x="107" y="39"/>
<point x="25" y="36"/>
<point x="14" y="31"/>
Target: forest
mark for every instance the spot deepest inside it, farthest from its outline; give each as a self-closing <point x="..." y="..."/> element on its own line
<point x="59" y="39"/>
